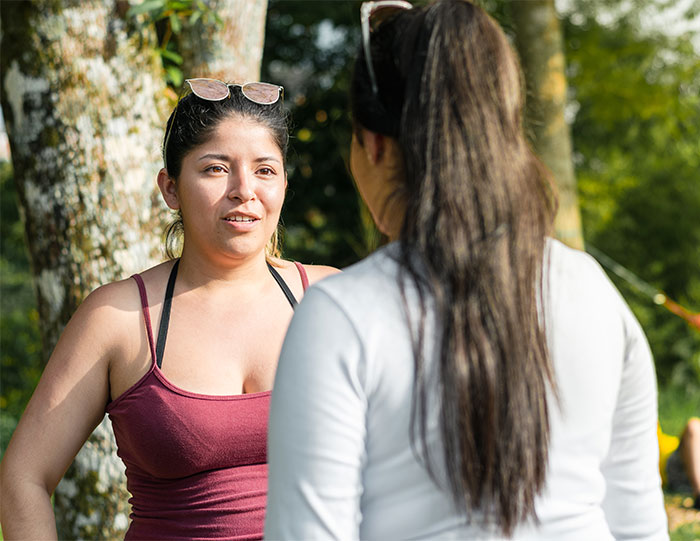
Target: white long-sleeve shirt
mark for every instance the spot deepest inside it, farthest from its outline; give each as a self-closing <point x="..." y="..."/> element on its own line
<point x="341" y="463"/>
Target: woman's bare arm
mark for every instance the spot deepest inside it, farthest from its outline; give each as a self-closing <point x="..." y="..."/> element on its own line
<point x="68" y="403"/>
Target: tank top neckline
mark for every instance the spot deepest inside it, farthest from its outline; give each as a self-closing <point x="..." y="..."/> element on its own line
<point x="155" y="367"/>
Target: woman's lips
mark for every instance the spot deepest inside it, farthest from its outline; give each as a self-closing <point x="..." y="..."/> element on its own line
<point x="242" y="222"/>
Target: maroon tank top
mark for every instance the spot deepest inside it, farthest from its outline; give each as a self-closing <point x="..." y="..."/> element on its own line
<point x="196" y="464"/>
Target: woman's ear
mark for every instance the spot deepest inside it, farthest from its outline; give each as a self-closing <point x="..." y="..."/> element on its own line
<point x="168" y="189"/>
<point x="373" y="144"/>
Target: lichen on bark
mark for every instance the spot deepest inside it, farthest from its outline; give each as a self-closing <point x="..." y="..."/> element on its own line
<point x="232" y="51"/>
<point x="90" y="502"/>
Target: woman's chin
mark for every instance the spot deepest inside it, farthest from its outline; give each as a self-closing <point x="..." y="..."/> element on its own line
<point x="244" y="248"/>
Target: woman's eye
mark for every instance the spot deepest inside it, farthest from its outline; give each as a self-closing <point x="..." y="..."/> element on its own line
<point x="216" y="169"/>
<point x="266" y="171"/>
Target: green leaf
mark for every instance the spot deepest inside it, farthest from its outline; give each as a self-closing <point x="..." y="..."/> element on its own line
<point x="195" y="17"/>
<point x="170" y="55"/>
<point x="175" y="23"/>
<point x="147" y="6"/>
<point x="174" y="75"/>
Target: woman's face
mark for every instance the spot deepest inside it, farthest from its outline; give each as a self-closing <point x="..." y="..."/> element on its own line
<point x="231" y="189"/>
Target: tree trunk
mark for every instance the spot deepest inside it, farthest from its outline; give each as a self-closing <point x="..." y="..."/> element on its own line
<point x="540" y="45"/>
<point x="232" y="51"/>
<point x="84" y="103"/>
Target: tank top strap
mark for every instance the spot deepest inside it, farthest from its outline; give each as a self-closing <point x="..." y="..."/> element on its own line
<point x="302" y="273"/>
<point x="146" y="314"/>
<point x="165" y="315"/>
<point x="283" y="286"/>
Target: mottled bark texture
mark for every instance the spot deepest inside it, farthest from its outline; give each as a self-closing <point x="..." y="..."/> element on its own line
<point x="83" y="97"/>
<point x="540" y="45"/>
<point x="232" y="51"/>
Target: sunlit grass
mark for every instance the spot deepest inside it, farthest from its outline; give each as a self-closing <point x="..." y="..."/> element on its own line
<point x="683" y="522"/>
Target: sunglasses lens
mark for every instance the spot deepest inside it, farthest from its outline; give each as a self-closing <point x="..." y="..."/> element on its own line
<point x="209" y="89"/>
<point x="261" y="93"/>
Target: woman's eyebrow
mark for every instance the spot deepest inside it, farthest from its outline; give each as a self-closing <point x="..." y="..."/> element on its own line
<point x="222" y="157"/>
<point x="267" y="159"/>
<point x="225" y="157"/>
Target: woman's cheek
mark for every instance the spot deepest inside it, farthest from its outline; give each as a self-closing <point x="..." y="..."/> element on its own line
<point x="274" y="193"/>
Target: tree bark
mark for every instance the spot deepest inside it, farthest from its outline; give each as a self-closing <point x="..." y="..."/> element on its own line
<point x="540" y="45"/>
<point x="84" y="103"/>
<point x="230" y="52"/>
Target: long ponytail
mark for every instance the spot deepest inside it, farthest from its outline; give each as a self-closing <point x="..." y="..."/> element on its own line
<point x="479" y="205"/>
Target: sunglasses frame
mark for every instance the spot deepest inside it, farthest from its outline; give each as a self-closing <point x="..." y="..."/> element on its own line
<point x="228" y="86"/>
<point x="367" y="9"/>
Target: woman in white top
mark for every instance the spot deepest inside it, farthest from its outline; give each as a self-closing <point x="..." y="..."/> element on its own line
<point x="473" y="379"/>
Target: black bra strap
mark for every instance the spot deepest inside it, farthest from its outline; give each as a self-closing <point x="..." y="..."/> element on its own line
<point x="165" y="315"/>
<point x="285" y="288"/>
<point x="167" y="304"/>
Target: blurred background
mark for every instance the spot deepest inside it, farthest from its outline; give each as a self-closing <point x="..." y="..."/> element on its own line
<point x="631" y="108"/>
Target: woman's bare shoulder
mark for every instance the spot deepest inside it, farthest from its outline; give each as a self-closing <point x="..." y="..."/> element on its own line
<point x="114" y="304"/>
<point x="121" y="293"/>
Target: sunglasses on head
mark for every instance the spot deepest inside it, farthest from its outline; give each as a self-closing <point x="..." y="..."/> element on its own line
<point x="214" y="90"/>
<point x="373" y="14"/>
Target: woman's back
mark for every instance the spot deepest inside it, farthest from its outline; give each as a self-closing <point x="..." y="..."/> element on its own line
<point x="357" y="470"/>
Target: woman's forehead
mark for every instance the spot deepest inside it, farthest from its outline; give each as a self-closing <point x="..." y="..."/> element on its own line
<point x="240" y="136"/>
<point x="243" y="130"/>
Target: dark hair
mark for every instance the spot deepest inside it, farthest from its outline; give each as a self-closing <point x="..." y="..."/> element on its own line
<point x="479" y="206"/>
<point x="195" y="120"/>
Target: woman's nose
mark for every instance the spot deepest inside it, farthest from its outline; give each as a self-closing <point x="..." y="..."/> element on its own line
<point x="241" y="187"/>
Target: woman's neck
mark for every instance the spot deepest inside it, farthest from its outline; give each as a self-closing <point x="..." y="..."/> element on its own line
<point x="197" y="271"/>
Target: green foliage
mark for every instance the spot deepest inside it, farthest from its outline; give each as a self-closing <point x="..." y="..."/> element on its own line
<point x="20" y="343"/>
<point x="169" y="18"/>
<point x="637" y="142"/>
<point x="678" y="402"/>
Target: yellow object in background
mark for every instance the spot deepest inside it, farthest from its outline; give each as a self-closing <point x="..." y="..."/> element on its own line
<point x="667" y="444"/>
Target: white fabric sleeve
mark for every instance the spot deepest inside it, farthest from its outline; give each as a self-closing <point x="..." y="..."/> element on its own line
<point x="316" y="445"/>
<point x="633" y="503"/>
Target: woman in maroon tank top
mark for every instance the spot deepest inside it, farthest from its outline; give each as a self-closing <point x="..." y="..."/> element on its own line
<point x="182" y="357"/>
